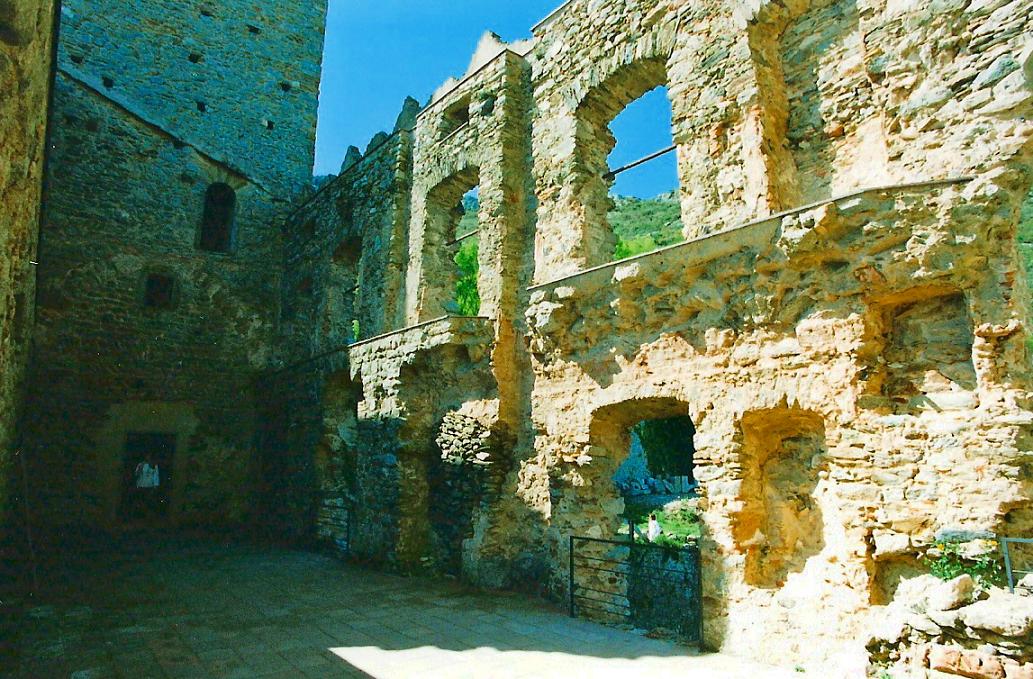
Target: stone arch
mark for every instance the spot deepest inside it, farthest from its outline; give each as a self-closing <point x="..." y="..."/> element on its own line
<point x="336" y="457"/>
<point x="595" y="507"/>
<point x="593" y="143"/>
<point x="442" y="212"/>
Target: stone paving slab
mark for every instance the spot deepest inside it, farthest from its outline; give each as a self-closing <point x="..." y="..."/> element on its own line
<point x="240" y="611"/>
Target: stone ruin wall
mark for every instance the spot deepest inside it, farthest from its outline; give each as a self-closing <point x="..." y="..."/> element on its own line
<point x="143" y="124"/>
<point x="846" y="325"/>
<point x="25" y="57"/>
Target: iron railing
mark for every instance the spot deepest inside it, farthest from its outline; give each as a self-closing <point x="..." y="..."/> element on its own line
<point x="649" y="586"/>
<point x="1009" y="566"/>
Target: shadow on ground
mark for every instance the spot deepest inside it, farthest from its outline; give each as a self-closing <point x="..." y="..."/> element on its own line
<point x="179" y="606"/>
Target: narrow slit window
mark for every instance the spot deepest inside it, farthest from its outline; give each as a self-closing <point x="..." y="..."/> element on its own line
<point x="220" y="203"/>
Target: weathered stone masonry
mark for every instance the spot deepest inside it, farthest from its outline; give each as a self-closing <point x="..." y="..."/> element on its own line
<point x="25" y="58"/>
<point x="156" y="103"/>
<point x="844" y="324"/>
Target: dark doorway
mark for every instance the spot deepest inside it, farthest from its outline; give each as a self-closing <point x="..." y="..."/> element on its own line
<point x="142" y="501"/>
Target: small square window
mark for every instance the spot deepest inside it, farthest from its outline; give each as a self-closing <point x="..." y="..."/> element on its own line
<point x="159" y="292"/>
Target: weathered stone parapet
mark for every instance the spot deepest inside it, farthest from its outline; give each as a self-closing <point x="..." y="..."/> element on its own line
<point x="860" y="240"/>
<point x="470" y="137"/>
<point x="346" y="251"/>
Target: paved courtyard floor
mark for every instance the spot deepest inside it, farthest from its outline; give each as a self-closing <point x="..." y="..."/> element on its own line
<point x="194" y="609"/>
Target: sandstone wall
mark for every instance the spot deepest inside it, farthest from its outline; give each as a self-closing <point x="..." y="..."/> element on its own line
<point x="846" y="323"/>
<point x="133" y="162"/>
<point x="25" y="56"/>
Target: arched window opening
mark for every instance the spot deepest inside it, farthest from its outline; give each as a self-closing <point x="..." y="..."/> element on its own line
<point x="342" y="324"/>
<point x="467" y="297"/>
<point x="220" y="203"/>
<point x="450" y="249"/>
<point x="646" y="213"/>
<point x="656" y="479"/>
<point x="626" y="166"/>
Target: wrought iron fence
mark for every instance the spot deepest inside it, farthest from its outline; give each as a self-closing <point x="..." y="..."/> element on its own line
<point x="1014" y="568"/>
<point x="649" y="586"/>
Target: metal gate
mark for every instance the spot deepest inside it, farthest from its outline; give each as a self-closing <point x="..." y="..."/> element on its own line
<point x="1018" y="562"/>
<point x="649" y="586"/>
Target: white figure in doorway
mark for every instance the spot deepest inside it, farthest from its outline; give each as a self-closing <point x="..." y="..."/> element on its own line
<point x="147" y="475"/>
<point x="653" y="532"/>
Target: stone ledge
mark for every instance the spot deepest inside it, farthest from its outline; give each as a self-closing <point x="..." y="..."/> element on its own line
<point x="725" y="242"/>
<point x="444" y="325"/>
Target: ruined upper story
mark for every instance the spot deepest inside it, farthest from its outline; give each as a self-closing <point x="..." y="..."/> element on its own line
<point x="239" y="81"/>
<point x="776" y="106"/>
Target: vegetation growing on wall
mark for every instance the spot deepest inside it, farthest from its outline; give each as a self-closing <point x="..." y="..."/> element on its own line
<point x="468" y="299"/>
<point x="668" y="445"/>
<point x="1026" y="238"/>
<point x="644" y="224"/>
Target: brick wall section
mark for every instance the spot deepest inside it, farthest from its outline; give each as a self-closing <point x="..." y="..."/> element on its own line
<point x="25" y="56"/>
<point x="131" y="162"/>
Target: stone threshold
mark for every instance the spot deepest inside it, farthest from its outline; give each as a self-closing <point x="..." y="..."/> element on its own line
<point x="741" y="227"/>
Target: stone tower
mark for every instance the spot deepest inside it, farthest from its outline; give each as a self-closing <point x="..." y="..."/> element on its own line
<point x="182" y="131"/>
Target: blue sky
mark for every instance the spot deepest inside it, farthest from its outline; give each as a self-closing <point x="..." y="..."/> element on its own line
<point x="380" y="51"/>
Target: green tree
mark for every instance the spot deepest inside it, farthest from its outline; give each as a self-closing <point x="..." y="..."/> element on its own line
<point x="468" y="299"/>
<point x="668" y="445"/>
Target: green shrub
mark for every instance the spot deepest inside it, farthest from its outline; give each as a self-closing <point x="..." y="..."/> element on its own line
<point x="468" y="299"/>
<point x="947" y="560"/>
<point x="668" y="445"/>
